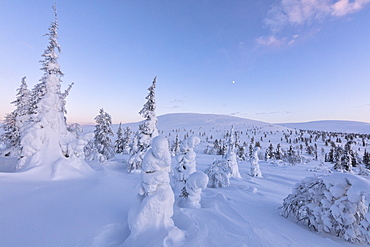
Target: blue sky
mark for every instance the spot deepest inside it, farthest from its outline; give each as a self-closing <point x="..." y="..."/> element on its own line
<point x="291" y="60"/>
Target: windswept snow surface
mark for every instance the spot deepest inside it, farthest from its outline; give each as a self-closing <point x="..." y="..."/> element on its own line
<point x="92" y="209"/>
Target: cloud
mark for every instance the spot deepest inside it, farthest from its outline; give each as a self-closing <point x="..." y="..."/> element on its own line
<point x="273" y="41"/>
<point x="270" y="40"/>
<point x="344" y="7"/>
<point x="298" y="13"/>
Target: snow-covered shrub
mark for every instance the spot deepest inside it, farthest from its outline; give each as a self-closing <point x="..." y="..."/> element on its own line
<point x="218" y="174"/>
<point x="338" y="204"/>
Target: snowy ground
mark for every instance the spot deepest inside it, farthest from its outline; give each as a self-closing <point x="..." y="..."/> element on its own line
<point x="92" y="210"/>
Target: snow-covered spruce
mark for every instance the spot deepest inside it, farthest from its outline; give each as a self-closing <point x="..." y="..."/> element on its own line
<point x="218" y="174"/>
<point x="150" y="216"/>
<point x="14" y="121"/>
<point x="102" y="136"/>
<point x="147" y="131"/>
<point x="186" y="163"/>
<point x="44" y="137"/>
<point x="121" y="145"/>
<point x="345" y="158"/>
<point x="255" y="167"/>
<point x="230" y="156"/>
<point x="338" y="204"/>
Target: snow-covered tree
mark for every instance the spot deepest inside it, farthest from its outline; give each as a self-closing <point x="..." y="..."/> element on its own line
<point x="337" y="204"/>
<point x="230" y="156"/>
<point x="269" y="154"/>
<point x="255" y="167"/>
<point x="196" y="182"/>
<point x="292" y="156"/>
<point x="366" y="159"/>
<point x="150" y="216"/>
<point x="218" y="174"/>
<point x="147" y="130"/>
<point x="126" y="140"/>
<point x="103" y="134"/>
<point x="186" y="163"/>
<point x="22" y="103"/>
<point x="118" y="144"/>
<point x="75" y="129"/>
<point x="15" y="120"/>
<point x="343" y="158"/>
<point x="279" y="152"/>
<point x="10" y="137"/>
<point x="45" y="135"/>
<point x="176" y="146"/>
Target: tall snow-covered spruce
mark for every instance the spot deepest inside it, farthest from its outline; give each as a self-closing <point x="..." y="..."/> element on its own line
<point x="147" y="131"/>
<point x="45" y="140"/>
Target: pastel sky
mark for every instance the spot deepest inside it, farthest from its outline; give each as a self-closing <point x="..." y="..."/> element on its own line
<point x="291" y="60"/>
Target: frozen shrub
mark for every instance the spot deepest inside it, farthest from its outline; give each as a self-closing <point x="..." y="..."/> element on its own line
<point x="338" y="204"/>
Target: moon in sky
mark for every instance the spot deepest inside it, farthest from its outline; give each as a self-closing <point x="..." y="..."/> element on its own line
<point x="233" y="81"/>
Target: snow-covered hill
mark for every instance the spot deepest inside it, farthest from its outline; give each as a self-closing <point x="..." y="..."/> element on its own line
<point x="207" y="121"/>
<point x="332" y="125"/>
<point x="199" y="122"/>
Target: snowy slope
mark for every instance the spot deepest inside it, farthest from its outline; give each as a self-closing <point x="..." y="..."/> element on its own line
<point x="92" y="210"/>
<point x="332" y="125"/>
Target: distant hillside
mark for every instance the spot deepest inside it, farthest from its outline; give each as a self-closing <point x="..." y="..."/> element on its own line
<point x="209" y="121"/>
<point x="198" y="121"/>
<point x="332" y="125"/>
